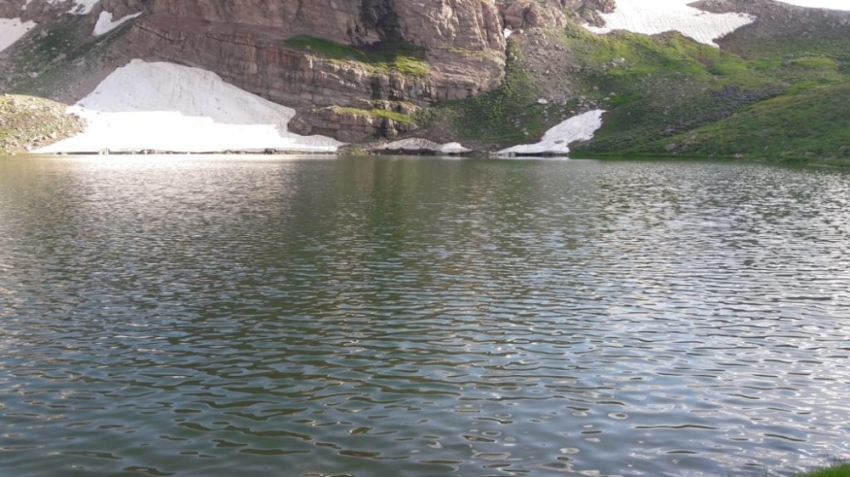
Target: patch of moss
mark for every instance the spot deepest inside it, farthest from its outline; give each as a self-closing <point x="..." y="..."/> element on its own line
<point x="381" y="113"/>
<point x="385" y="57"/>
<point x="504" y="116"/>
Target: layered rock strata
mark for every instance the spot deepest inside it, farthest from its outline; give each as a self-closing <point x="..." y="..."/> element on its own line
<point x="246" y="43"/>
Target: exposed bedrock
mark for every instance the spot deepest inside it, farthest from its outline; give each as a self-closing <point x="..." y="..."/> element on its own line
<point x="552" y="13"/>
<point x="244" y="41"/>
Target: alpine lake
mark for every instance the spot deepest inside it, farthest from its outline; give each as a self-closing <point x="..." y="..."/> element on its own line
<point x="400" y="316"/>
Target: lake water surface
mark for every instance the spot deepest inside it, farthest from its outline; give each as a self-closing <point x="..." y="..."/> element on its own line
<point x="419" y="317"/>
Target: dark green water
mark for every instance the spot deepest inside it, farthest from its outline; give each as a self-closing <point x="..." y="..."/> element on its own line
<point x="417" y="317"/>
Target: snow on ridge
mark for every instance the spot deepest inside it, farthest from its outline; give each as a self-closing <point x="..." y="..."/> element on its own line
<point x="172" y="108"/>
<point x="424" y="145"/>
<point x="79" y="7"/>
<point x="105" y="24"/>
<point x="650" y="17"/>
<point x="824" y="4"/>
<point x="558" y="139"/>
<point x="12" y="30"/>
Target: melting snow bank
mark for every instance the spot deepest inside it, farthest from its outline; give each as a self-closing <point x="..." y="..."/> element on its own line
<point x="166" y="107"/>
<point x="658" y="16"/>
<point x="422" y="146"/>
<point x="826" y="4"/>
<point x="105" y="24"/>
<point x="12" y="30"/>
<point x="557" y="140"/>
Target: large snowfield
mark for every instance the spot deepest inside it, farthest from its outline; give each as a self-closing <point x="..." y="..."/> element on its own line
<point x="658" y="16"/>
<point x="171" y="108"/>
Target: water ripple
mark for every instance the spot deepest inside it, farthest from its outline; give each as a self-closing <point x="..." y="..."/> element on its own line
<point x="201" y="317"/>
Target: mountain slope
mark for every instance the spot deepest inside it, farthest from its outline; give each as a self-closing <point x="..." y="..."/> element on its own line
<point x="490" y="73"/>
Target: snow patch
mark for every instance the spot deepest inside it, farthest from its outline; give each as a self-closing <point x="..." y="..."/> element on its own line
<point x="826" y="4"/>
<point x="79" y="7"/>
<point x="650" y="17"/>
<point x="558" y="139"/>
<point x="417" y="145"/>
<point x="105" y="24"/>
<point x="171" y="108"/>
<point x="508" y="32"/>
<point x="12" y="30"/>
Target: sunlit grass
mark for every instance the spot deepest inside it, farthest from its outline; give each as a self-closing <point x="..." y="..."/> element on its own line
<point x="402" y="58"/>
<point x="838" y="469"/>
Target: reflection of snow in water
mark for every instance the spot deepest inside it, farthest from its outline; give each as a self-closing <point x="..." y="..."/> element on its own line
<point x="658" y="16"/>
<point x="167" y="107"/>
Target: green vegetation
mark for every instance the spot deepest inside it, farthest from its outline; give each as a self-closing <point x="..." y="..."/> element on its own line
<point x="45" y="61"/>
<point x="667" y="94"/>
<point x="809" y="124"/>
<point x="381" y="113"/>
<point x="840" y="469"/>
<point x="402" y="58"/>
<point x="504" y="116"/>
<point x="675" y="96"/>
<point x="657" y="86"/>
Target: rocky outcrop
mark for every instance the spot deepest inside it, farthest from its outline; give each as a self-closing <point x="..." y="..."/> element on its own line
<point x="349" y="124"/>
<point x="553" y="13"/>
<point x="458" y="49"/>
<point x="27" y="123"/>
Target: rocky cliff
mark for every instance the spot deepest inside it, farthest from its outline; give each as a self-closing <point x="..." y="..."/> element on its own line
<point x="446" y="71"/>
<point x="315" y="55"/>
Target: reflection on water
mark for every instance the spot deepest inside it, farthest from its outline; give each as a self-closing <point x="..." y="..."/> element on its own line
<point x="380" y="316"/>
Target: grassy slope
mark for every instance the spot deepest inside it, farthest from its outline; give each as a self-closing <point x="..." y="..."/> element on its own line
<point x="505" y="116"/>
<point x="811" y="56"/>
<point x="59" y="59"/>
<point x="667" y="83"/>
<point x="812" y="124"/>
<point x="836" y="470"/>
<point x="668" y="95"/>
<point x="397" y="58"/>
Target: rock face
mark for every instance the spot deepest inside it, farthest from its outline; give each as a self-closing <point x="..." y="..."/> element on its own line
<point x="245" y="41"/>
<point x="347" y="125"/>
<point x="458" y="48"/>
<point x="552" y="13"/>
